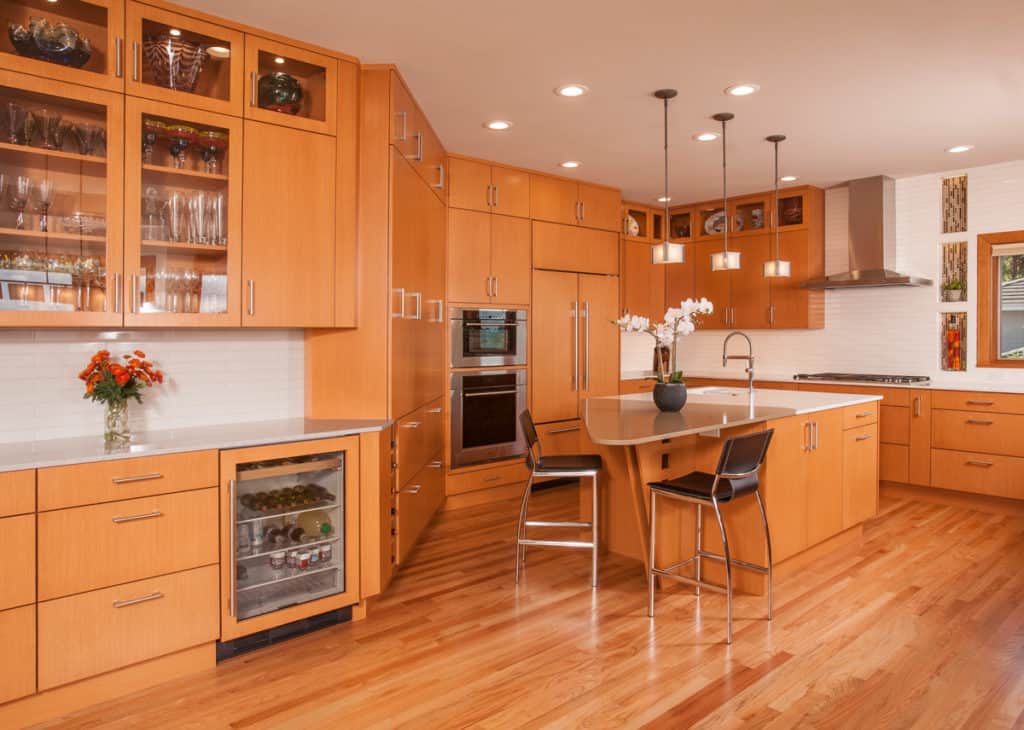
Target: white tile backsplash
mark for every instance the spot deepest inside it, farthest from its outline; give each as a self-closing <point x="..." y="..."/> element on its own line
<point x="892" y="330"/>
<point x="213" y="377"/>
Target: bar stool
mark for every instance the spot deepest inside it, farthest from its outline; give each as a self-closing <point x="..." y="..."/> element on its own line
<point x="540" y="466"/>
<point x="735" y="477"/>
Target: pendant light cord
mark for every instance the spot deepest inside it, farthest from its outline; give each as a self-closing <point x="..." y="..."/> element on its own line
<point x="776" y="216"/>
<point x="664" y="222"/>
<point x="725" y="197"/>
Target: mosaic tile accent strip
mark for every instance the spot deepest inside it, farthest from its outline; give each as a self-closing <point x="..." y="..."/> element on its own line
<point x="954" y="269"/>
<point x="954" y="204"/>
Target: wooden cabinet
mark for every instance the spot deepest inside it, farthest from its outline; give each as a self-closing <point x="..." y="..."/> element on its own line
<point x="62" y="265"/>
<point x="580" y="352"/>
<point x="418" y="501"/>
<point x="824" y="473"/>
<point x="488" y="258"/>
<point x="643" y="385"/>
<point x="18" y="543"/>
<point x="413" y="137"/>
<point x="316" y="74"/>
<point x="715" y="286"/>
<point x="749" y="290"/>
<point x="570" y="248"/>
<point x="750" y="215"/>
<point x="18" y="636"/>
<point x="988" y="433"/>
<point x="288" y="206"/>
<point x="17" y="492"/>
<point x="158" y="40"/>
<point x="557" y="200"/>
<point x="919" y="448"/>
<point x="418" y="438"/>
<point x="642" y="283"/>
<point x="474" y="185"/>
<point x="680" y="280"/>
<point x="860" y="474"/>
<point x="487" y="477"/>
<point x="793" y="307"/>
<point x="643" y="224"/>
<point x="566" y="437"/>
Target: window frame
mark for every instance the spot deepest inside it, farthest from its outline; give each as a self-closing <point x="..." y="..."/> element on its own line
<point x="988" y="297"/>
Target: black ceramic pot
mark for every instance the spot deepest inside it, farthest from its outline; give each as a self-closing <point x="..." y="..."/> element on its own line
<point x="670" y="397"/>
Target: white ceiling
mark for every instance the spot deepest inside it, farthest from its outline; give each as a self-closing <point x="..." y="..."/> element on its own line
<point x="860" y="87"/>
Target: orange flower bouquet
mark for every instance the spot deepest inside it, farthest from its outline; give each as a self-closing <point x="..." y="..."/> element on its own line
<point x="113" y="384"/>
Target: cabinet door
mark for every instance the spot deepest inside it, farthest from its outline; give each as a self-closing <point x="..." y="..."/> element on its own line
<point x="181" y="60"/>
<point x="18" y="636"/>
<point x="920" y="437"/>
<point x="308" y="100"/>
<point x="680" y="280"/>
<point x="417" y="502"/>
<point x="554" y="200"/>
<point x="432" y="158"/>
<point x="750" y="215"/>
<point x="599" y="338"/>
<point x="183" y="218"/>
<point x="430" y="366"/>
<point x="469" y="255"/>
<point x="510" y="260"/>
<point x="61" y="266"/>
<point x="288" y="205"/>
<point x="554" y="351"/>
<point x="643" y="283"/>
<point x="410" y="254"/>
<point x="101" y="21"/>
<point x="18" y="541"/>
<point x="750" y="292"/>
<point x="469" y="184"/>
<point x="511" y="191"/>
<point x="600" y="207"/>
<point x="792" y="306"/>
<point x="786" y="487"/>
<point x="825" y="477"/>
<point x="860" y="474"/>
<point x="714" y="285"/>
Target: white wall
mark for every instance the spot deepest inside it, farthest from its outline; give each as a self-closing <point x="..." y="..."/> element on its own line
<point x="893" y="330"/>
<point x="214" y="376"/>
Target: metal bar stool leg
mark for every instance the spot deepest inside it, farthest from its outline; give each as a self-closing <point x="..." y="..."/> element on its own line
<point x="728" y="573"/>
<point x="650" y="573"/>
<point x="593" y="522"/>
<point x="699" y="533"/>
<point x="768" y="543"/>
<point x="521" y="525"/>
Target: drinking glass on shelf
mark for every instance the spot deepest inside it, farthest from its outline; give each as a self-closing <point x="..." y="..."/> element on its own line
<point x="17" y="120"/>
<point x="211" y="143"/>
<point x="19" y="198"/>
<point x="152" y="131"/>
<point x="181" y="137"/>
<point x="45" y="193"/>
<point x="51" y="127"/>
<point x="216" y="234"/>
<point x="197" y="220"/>
<point x="87" y="137"/>
<point x="177" y="223"/>
<point x="192" y="282"/>
<point x="153" y="227"/>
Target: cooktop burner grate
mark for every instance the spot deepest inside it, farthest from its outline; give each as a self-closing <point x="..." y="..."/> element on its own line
<point x="864" y="378"/>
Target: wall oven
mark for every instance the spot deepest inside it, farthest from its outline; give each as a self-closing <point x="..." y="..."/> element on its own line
<point x="485" y="415"/>
<point x="487" y="337"/>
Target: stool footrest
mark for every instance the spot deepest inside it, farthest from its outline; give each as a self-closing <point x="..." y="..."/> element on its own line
<point x="540" y="523"/>
<point x="557" y="543"/>
<point x="736" y="563"/>
<point x="689" y="581"/>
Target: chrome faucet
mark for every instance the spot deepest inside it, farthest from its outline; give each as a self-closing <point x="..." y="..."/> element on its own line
<point x="749" y="357"/>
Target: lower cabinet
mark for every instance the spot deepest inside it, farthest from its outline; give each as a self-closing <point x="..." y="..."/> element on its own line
<point x="18" y="637"/>
<point x="860" y="474"/>
<point x="486" y="477"/>
<point x="418" y="500"/>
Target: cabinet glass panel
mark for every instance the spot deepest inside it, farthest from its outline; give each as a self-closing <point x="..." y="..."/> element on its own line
<point x="68" y="33"/>
<point x="53" y="204"/>
<point x="749" y="216"/>
<point x="680" y="226"/>
<point x="791" y="210"/>
<point x="181" y="59"/>
<point x="636" y="223"/>
<point x="289" y="532"/>
<point x="184" y="222"/>
<point x="290" y="86"/>
<point x="711" y="221"/>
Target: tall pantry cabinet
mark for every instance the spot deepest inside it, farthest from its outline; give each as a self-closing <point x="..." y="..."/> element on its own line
<point x="391" y="365"/>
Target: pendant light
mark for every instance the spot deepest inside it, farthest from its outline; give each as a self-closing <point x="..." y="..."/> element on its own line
<point x="667" y="252"/>
<point x="776" y="268"/>
<point x="725" y="260"/>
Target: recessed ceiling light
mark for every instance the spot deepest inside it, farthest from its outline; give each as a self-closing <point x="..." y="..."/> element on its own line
<point x="787" y="178"/>
<point x="663" y="199"/>
<point x="174" y="32"/>
<point x="570" y="164"/>
<point x="279" y="61"/>
<point x="961" y="148"/>
<point x="742" y="89"/>
<point x="498" y="125"/>
<point x="572" y="90"/>
<point x="219" y="51"/>
<point x="705" y="137"/>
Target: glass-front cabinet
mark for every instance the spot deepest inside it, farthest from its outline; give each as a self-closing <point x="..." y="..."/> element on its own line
<point x="61" y="188"/>
<point x="291" y="86"/>
<point x="182" y="60"/>
<point x="69" y="40"/>
<point x="680" y="224"/>
<point x="791" y="213"/>
<point x="290" y="548"/>
<point x="710" y="220"/>
<point x="750" y="215"/>
<point x="182" y="216"/>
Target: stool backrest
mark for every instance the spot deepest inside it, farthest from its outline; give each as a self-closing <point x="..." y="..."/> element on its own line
<point x="744" y="455"/>
<point x="532" y="440"/>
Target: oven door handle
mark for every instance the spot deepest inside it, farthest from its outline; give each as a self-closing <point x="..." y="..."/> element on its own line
<point x="490" y="324"/>
<point x="480" y="394"/>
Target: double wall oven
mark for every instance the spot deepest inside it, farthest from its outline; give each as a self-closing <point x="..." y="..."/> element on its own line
<point x="488" y="384"/>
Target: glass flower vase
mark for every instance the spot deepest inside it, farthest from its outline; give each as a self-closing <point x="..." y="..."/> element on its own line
<point x="115" y="424"/>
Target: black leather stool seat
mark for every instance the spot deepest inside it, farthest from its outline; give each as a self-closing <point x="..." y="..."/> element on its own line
<point x="571" y="463"/>
<point x="697" y="485"/>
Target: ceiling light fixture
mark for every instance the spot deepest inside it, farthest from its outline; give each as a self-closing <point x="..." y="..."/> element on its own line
<point x="725" y="260"/>
<point x="219" y="51"/>
<point x="569" y="164"/>
<point x="960" y="148"/>
<point x="788" y="178"/>
<point x="706" y="136"/>
<point x="498" y="125"/>
<point x="279" y="61"/>
<point x="776" y="268"/>
<point x="742" y="89"/>
<point x="572" y="90"/>
<point x="667" y="252"/>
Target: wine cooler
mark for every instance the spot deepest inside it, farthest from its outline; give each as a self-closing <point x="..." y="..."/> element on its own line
<point x="287" y="538"/>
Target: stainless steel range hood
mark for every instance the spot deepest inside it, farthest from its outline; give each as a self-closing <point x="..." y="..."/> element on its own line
<point x="871" y="226"/>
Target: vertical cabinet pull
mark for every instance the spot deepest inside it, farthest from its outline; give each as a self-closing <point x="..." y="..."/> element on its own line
<point x="490" y="197"/>
<point x="495" y="280"/>
<point x="418" y="155"/>
<point x="252" y="298"/>
<point x="583" y="211"/>
<point x="815" y="432"/>
<point x="495" y="187"/>
<point x="234" y="550"/>
<point x="135" y="293"/>
<point x="119" y="57"/>
<point x="403" y="135"/>
<point x="418" y="297"/>
<point x="917" y="406"/>
<point x="771" y="314"/>
<point x="575" y="347"/>
<point x="135" y="60"/>
<point x="440" y="178"/>
<point x="400" y="314"/>
<point x="252" y="88"/>
<point x="586" y="346"/>
<point x="117" y="294"/>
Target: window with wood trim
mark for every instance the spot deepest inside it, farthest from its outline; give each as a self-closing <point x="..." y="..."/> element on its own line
<point x="1001" y="299"/>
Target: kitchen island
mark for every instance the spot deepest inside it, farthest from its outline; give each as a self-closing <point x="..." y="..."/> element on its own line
<point x="819" y="482"/>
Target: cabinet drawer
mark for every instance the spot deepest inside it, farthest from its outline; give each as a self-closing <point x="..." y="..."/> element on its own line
<point x="18" y="546"/>
<point x="420" y="436"/>
<point x="557" y="439"/>
<point x="91" y="633"/>
<point x="1000" y="476"/>
<point x="985" y="433"/>
<point x="630" y="387"/>
<point x="960" y="400"/>
<point x="495" y="476"/>
<point x="890" y="396"/>
<point x="894" y="463"/>
<point x="107" y="481"/>
<point x="417" y="502"/>
<point x="895" y="422"/>
<point x="17" y="492"/>
<point x="860" y="415"/>
<point x="105" y="544"/>
<point x="569" y="248"/>
<point x="18" y="637"/>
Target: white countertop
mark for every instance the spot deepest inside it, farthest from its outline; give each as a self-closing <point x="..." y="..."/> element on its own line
<point x="61" y="452"/>
<point x="628" y="420"/>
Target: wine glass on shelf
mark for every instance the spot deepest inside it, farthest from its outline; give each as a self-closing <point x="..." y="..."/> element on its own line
<point x="87" y="137"/>
<point x="19" y="198"/>
<point x="16" y="116"/>
<point x="45" y="192"/>
<point x="51" y="126"/>
<point x="212" y="143"/>
<point x="152" y="131"/>
<point x="181" y="137"/>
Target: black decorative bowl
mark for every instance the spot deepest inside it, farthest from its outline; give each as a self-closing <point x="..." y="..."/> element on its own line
<point x="54" y="42"/>
<point x="280" y="92"/>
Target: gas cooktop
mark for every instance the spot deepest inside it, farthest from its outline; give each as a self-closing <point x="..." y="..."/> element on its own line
<point x="865" y="378"/>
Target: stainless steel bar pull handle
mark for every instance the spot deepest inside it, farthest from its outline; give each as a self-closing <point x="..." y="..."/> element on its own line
<point x="140" y="599"/>
<point x="234" y="549"/>
<point x="917" y="406"/>
<point x="495" y="280"/>
<point x="252" y="298"/>
<point x="403" y="135"/>
<point x="418" y="296"/>
<point x="864" y="437"/>
<point x="136" y="518"/>
<point x="814" y="434"/>
<point x="135" y="292"/>
<point x="481" y="393"/>
<point x="252" y="88"/>
<point x="435" y="464"/>
<point x="400" y="291"/>
<point x="413" y="489"/>
<point x="864" y="414"/>
<point x="569" y="429"/>
<point x="496" y="203"/>
<point x="978" y="422"/>
<point x="978" y="462"/>
<point x="418" y="155"/>
<point x="135" y="60"/>
<point x="412" y="424"/>
<point x="433" y="410"/>
<point x="140" y="478"/>
<point x="118" y="57"/>
<point x="440" y="177"/>
<point x="117" y="294"/>
<point x="981" y="402"/>
<point x="586" y="345"/>
<point x="575" y="347"/>
<point x="583" y="210"/>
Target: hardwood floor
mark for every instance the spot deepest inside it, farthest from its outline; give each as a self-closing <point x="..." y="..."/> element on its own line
<point x="922" y="626"/>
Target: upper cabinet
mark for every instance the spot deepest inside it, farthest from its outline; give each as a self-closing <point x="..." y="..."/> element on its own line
<point x="177" y="59"/>
<point x="642" y="223"/>
<point x="413" y="137"/>
<point x="81" y="41"/>
<point x="681" y="224"/>
<point x="565" y="201"/>
<point x="290" y="86"/>
<point x="61" y="177"/>
<point x="488" y="188"/>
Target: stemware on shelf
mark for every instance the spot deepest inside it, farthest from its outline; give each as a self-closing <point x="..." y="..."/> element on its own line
<point x="89" y="137"/>
<point x="45" y="192"/>
<point x="177" y="220"/>
<point x="212" y="143"/>
<point x="20" y="124"/>
<point x="19" y="198"/>
<point x="154" y="228"/>
<point x="152" y="131"/>
<point x="181" y="137"/>
<point x="52" y="128"/>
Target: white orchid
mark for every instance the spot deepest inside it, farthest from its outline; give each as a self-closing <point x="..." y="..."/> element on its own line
<point x="678" y="321"/>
